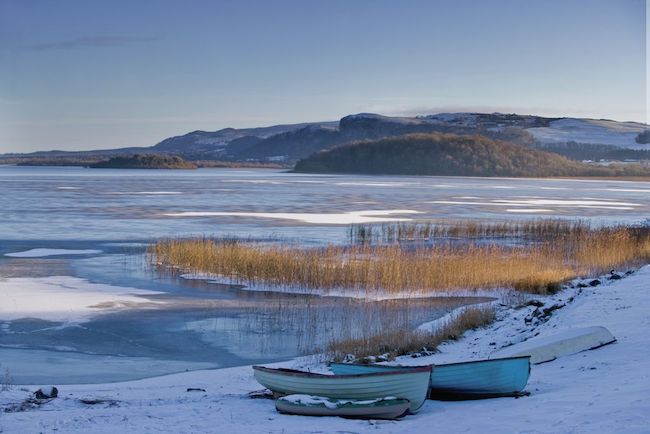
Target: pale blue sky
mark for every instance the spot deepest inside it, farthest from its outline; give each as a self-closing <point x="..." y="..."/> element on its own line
<point x="99" y="74"/>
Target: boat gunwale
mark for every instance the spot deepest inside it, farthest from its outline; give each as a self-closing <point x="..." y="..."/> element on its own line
<point x="296" y="373"/>
<point x="433" y="365"/>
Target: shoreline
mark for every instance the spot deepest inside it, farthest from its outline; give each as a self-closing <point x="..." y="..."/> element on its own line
<point x="600" y="390"/>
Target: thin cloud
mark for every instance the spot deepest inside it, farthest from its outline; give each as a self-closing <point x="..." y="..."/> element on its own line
<point x="93" y="42"/>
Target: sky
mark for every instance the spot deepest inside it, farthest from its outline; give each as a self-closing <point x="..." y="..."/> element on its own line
<point x="89" y="74"/>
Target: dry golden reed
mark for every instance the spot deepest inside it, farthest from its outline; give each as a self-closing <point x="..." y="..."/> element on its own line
<point x="538" y="266"/>
<point x="538" y="229"/>
<point x="405" y="341"/>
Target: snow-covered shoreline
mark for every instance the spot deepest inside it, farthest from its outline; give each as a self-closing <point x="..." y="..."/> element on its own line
<point x="605" y="390"/>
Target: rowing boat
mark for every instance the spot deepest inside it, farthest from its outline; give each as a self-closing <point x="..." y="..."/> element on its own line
<point x="306" y="405"/>
<point x="465" y="380"/>
<point x="411" y="384"/>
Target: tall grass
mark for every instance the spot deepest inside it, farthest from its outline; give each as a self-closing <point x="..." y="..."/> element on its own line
<point x="539" y="230"/>
<point x="567" y="252"/>
<point x="405" y="340"/>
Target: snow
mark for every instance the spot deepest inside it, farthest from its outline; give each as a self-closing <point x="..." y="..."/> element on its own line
<point x="391" y="119"/>
<point x="604" y="390"/>
<point x="343" y="218"/>
<point x="603" y="132"/>
<point x="144" y="193"/>
<point x="40" y="253"/>
<point x="375" y="184"/>
<point x="64" y="298"/>
<point x="556" y="203"/>
<point x="528" y="210"/>
<point x="331" y="403"/>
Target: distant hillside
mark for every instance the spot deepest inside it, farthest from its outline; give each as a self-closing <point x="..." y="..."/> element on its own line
<point x="587" y="151"/>
<point x="286" y="144"/>
<point x="144" y="162"/>
<point x="199" y="145"/>
<point x="293" y="145"/>
<point x="594" y="131"/>
<point x="452" y="155"/>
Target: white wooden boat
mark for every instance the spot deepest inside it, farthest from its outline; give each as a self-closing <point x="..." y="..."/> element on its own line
<point x="411" y="384"/>
<point x="570" y="341"/>
<point x="306" y="405"/>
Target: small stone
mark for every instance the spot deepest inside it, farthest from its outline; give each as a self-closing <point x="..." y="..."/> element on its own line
<point x="594" y="282"/>
<point x="46" y="392"/>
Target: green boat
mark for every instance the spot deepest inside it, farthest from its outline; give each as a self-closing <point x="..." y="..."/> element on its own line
<point x="411" y="384"/>
<point x="306" y="405"/>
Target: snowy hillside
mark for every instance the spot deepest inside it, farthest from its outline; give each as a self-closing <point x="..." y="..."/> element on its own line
<point x="604" y="132"/>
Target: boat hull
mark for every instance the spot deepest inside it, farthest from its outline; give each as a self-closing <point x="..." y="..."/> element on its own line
<point x="374" y="409"/>
<point x="410" y="384"/>
<point x="567" y="342"/>
<point x="465" y="380"/>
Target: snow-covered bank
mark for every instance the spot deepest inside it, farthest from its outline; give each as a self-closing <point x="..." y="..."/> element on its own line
<point x="360" y="294"/>
<point x="605" y="390"/>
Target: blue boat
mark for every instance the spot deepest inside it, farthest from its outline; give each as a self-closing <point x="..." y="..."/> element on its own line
<point x="465" y="380"/>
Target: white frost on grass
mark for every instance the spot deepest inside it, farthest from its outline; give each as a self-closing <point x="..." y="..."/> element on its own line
<point x="343" y="218"/>
<point x="64" y="298"/>
<point x="41" y="253"/>
<point x="599" y="391"/>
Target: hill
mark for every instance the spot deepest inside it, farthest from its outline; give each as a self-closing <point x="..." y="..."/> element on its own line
<point x="581" y="139"/>
<point x="145" y="162"/>
<point x="205" y="145"/>
<point x="452" y="155"/>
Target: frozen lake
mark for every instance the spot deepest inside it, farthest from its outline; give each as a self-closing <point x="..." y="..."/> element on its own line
<point x="44" y="203"/>
<point x="79" y="303"/>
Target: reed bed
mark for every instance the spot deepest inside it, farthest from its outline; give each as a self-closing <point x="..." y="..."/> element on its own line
<point x="539" y="267"/>
<point x="407" y="341"/>
<point x="539" y="229"/>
